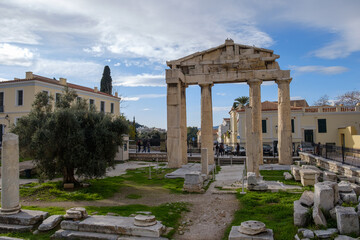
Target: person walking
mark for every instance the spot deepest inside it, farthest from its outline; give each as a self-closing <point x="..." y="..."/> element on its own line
<point x="217" y="149"/>
<point x="148" y="145"/>
<point x="144" y="146"/>
<point x="138" y="145"/>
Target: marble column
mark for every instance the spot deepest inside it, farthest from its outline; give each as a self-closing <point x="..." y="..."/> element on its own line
<point x="10" y="174"/>
<point x="204" y="161"/>
<point x="207" y="121"/>
<point x="183" y="124"/>
<point x="256" y="128"/>
<point x="284" y="122"/>
<point x="174" y="140"/>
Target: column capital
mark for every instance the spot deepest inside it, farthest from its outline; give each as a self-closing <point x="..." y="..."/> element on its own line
<point x="283" y="80"/>
<point x="205" y="84"/>
<point x="254" y="81"/>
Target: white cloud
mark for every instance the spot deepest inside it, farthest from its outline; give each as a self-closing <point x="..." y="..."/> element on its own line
<point x="319" y="69"/>
<point x="117" y="64"/>
<point x="221" y="94"/>
<point x="3" y="79"/>
<point x="71" y="68"/>
<point x="97" y="50"/>
<point x="146" y="109"/>
<point x="221" y="109"/>
<point x="141" y="80"/>
<point x="13" y="55"/>
<point x="137" y="98"/>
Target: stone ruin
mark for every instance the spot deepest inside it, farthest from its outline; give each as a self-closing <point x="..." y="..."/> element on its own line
<point x="251" y="230"/>
<point x="327" y="200"/>
<point x="255" y="183"/>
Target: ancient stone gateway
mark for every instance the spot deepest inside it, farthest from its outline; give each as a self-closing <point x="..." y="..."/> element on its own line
<point x="227" y="63"/>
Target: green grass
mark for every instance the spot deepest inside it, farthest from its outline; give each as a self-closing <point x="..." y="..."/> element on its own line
<point x="277" y="175"/>
<point x="101" y="188"/>
<point x="273" y="209"/>
<point x="133" y="196"/>
<point x="169" y="214"/>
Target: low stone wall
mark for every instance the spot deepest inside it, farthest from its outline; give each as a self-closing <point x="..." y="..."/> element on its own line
<point x="332" y="166"/>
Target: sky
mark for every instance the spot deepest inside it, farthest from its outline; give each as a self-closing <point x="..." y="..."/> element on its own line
<point x="319" y="41"/>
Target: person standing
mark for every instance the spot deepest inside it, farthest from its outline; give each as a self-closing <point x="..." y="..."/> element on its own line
<point x="148" y="145"/>
<point x="144" y="146"/>
<point x="138" y="145"/>
<point x="237" y="149"/>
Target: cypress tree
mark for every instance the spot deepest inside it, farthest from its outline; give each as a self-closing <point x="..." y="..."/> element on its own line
<point x="106" y="81"/>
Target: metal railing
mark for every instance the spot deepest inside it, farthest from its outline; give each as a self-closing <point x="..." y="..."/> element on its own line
<point x="350" y="156"/>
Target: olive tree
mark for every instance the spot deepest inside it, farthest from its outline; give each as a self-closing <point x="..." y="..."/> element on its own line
<point x="71" y="140"/>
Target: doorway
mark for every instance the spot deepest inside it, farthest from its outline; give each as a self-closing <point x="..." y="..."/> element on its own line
<point x="309" y="136"/>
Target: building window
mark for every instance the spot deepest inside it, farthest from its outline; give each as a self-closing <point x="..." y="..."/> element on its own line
<point x="91" y="101"/>
<point x="20" y="97"/>
<point x="264" y="126"/>
<point x="1" y="101"/>
<point x="292" y="125"/>
<point x="78" y="99"/>
<point x="102" y="106"/>
<point x="322" y="125"/>
<point x="57" y="97"/>
<point x="112" y="107"/>
<point x="47" y="92"/>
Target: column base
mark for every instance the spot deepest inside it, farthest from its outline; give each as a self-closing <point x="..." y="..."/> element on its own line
<point x="10" y="211"/>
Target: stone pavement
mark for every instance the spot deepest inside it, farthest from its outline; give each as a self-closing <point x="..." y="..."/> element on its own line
<point x="187" y="168"/>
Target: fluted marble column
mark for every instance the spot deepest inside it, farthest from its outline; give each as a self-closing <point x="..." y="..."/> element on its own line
<point x="207" y="121"/>
<point x="10" y="174"/>
<point x="256" y="128"/>
<point x="284" y="121"/>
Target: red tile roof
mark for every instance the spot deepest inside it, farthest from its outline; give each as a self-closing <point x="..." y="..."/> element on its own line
<point x="56" y="82"/>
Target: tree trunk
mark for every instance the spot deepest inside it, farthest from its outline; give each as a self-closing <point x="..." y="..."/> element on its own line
<point x="68" y="176"/>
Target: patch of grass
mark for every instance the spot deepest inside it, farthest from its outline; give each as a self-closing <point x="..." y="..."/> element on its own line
<point x="101" y="188"/>
<point x="133" y="196"/>
<point x="273" y="209"/>
<point x="277" y="175"/>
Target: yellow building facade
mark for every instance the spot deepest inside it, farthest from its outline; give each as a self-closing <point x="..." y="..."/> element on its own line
<point x="322" y="124"/>
<point x="17" y="96"/>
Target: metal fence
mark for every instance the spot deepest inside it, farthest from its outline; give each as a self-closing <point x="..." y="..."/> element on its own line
<point x="345" y="155"/>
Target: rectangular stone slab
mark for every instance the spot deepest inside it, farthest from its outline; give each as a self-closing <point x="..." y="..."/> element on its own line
<point x="24" y="217"/>
<point x="236" y="235"/>
<point x="119" y="225"/>
<point x="5" y="228"/>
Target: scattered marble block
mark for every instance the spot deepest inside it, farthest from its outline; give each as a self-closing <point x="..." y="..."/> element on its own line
<point x="348" y="197"/>
<point x="193" y="182"/>
<point x="344" y="237"/>
<point x="22" y="221"/>
<point x="344" y="187"/>
<point x="254" y="183"/>
<point x="325" y="234"/>
<point x="347" y="220"/>
<point x="318" y="216"/>
<point x="308" y="177"/>
<point x="306" y="233"/>
<point x="261" y="186"/>
<point x="50" y="223"/>
<point x="144" y="220"/>
<point x="236" y="235"/>
<point x="356" y="188"/>
<point x="295" y="171"/>
<point x="251" y="178"/>
<point x="307" y="198"/>
<point x="329" y="176"/>
<point x="301" y="216"/>
<point x="287" y="176"/>
<point x="9" y="238"/>
<point x="76" y="213"/>
<point x="70" y="225"/>
<point x="324" y="196"/>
